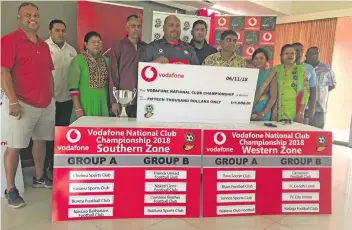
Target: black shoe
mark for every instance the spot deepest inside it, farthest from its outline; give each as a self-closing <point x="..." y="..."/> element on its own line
<point x="14" y="199"/>
<point x="43" y="182"/>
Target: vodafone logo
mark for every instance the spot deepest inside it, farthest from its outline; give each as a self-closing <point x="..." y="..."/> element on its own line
<point x="149" y="73"/>
<point x="73" y="138"/>
<point x="267" y="36"/>
<point x="252" y="22"/>
<point x="219" y="138"/>
<point x="238" y="36"/>
<point x="221" y="21"/>
<point x="250" y="50"/>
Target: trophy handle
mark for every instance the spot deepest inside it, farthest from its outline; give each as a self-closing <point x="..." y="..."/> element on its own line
<point x="134" y="94"/>
<point x="114" y="90"/>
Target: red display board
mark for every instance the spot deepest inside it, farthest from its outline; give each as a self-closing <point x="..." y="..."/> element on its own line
<point x="109" y="173"/>
<point x="108" y="19"/>
<point x="266" y="172"/>
<point x="253" y="32"/>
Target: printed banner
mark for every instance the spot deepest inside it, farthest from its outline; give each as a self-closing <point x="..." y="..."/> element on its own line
<point x="185" y="93"/>
<point x="99" y="17"/>
<point x="109" y="173"/>
<point x="266" y="172"/>
<point x="253" y="32"/>
<point x="4" y="105"/>
<point x="186" y="25"/>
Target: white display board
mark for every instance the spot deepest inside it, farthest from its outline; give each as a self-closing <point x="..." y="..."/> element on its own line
<point x="186" y="25"/>
<point x="4" y="131"/>
<point x="189" y="93"/>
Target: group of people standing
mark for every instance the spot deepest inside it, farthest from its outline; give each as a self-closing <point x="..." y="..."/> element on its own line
<point x="295" y="90"/>
<point x="47" y="83"/>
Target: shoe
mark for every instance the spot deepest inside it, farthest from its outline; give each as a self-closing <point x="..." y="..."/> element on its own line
<point x="14" y="199"/>
<point x="43" y="182"/>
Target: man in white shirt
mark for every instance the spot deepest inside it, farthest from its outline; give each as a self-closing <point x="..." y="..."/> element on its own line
<point x="62" y="54"/>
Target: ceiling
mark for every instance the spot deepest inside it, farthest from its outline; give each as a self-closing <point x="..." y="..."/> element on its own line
<point x="306" y="7"/>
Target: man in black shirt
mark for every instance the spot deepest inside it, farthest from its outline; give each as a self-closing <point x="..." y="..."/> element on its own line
<point x="202" y="48"/>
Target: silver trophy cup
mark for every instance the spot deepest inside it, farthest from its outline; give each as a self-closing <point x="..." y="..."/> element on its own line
<point x="124" y="97"/>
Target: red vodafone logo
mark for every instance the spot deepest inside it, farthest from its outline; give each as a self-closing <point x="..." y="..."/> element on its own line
<point x="252" y="22"/>
<point x="267" y="36"/>
<point x="150" y="75"/>
<point x="73" y="136"/>
<point x="221" y="21"/>
<point x="250" y="50"/>
<point x="219" y="138"/>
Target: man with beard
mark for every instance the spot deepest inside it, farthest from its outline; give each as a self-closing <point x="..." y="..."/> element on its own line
<point x="61" y="54"/>
<point x="27" y="81"/>
<point x="200" y="45"/>
<point x="312" y="78"/>
<point x="170" y="49"/>
<point x="326" y="82"/>
<point x="123" y="70"/>
<point x="226" y="57"/>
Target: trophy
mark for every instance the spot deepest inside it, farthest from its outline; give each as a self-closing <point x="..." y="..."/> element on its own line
<point x="124" y="97"/>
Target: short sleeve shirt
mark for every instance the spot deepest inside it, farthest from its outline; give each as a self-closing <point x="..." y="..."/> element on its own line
<point x="62" y="58"/>
<point x="177" y="52"/>
<point x="325" y="79"/>
<point x="217" y="60"/>
<point x="204" y="52"/>
<point x="30" y="66"/>
<point x="311" y="75"/>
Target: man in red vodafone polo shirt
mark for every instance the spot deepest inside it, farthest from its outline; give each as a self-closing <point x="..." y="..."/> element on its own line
<point x="26" y="78"/>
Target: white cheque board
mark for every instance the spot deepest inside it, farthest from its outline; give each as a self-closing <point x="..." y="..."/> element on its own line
<point x="190" y="93"/>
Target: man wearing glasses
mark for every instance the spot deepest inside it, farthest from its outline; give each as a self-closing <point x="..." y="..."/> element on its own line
<point x="226" y="57"/>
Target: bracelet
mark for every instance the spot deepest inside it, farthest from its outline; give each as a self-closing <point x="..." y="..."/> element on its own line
<point x="263" y="114"/>
<point x="15" y="103"/>
<point x="78" y="110"/>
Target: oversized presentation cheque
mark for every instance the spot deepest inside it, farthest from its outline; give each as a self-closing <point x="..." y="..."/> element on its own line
<point x="189" y="93"/>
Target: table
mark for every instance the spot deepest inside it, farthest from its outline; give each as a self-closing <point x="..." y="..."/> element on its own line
<point x="94" y="179"/>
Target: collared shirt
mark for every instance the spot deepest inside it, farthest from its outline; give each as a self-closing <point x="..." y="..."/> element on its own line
<point x="178" y="52"/>
<point x="311" y="75"/>
<point x="217" y="60"/>
<point x="62" y="58"/>
<point x="325" y="79"/>
<point x="204" y="52"/>
<point x="123" y="69"/>
<point x="31" y="67"/>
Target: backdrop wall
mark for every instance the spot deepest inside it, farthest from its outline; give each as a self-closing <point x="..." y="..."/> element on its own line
<point x="66" y="10"/>
<point x="253" y="32"/>
<point x="93" y="16"/>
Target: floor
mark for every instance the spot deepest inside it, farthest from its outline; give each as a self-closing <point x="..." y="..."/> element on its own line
<point x="36" y="216"/>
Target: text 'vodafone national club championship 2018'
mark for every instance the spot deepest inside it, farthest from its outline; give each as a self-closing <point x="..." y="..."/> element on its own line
<point x="266" y="172"/>
<point x="126" y="172"/>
